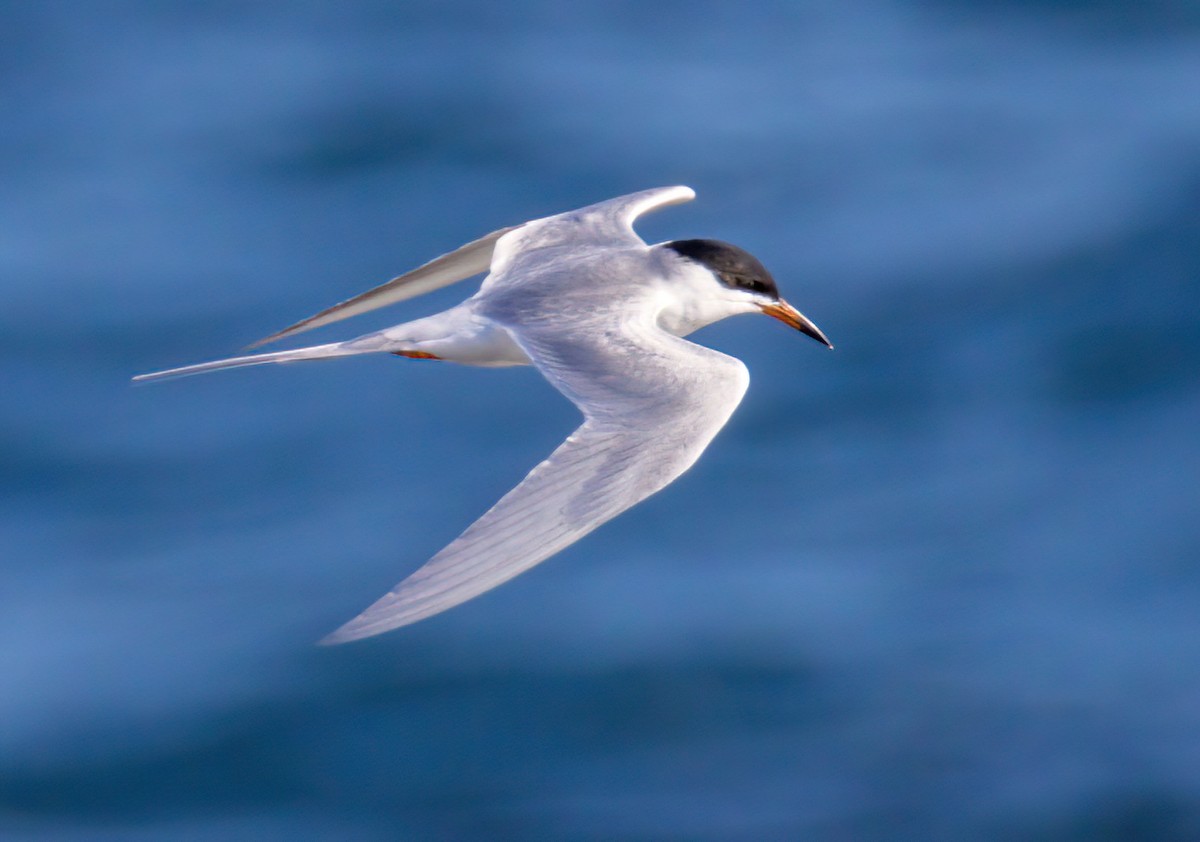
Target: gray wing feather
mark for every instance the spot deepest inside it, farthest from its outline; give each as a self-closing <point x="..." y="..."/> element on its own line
<point x="642" y="429"/>
<point x="609" y="220"/>
<point x="458" y="265"/>
<point x="605" y="223"/>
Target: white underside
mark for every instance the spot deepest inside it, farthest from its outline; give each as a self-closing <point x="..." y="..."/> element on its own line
<point x="600" y="314"/>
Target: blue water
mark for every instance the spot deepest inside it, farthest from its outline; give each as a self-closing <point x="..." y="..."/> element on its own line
<point x="943" y="583"/>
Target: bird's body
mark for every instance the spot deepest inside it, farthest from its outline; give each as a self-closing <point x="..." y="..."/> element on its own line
<point x="602" y="315"/>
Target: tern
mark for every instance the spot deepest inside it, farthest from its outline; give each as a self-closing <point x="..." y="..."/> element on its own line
<point x="602" y="315"/>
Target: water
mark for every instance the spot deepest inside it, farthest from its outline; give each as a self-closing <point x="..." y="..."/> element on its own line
<point x="939" y="584"/>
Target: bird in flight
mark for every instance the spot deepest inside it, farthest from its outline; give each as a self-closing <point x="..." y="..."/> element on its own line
<point x="602" y="316"/>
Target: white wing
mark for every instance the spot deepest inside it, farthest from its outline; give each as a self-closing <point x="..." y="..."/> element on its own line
<point x="613" y="219"/>
<point x="651" y="402"/>
<point x="458" y="265"/>
<point x="604" y="222"/>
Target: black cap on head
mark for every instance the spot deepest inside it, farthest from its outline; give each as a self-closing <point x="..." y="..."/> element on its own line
<point x="734" y="267"/>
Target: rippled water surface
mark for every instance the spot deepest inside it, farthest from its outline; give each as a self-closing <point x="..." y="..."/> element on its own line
<point x="943" y="583"/>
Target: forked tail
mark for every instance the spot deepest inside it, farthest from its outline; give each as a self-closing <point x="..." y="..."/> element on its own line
<point x="314" y="352"/>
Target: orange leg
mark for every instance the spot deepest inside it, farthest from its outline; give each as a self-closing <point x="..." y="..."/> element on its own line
<point x="417" y="355"/>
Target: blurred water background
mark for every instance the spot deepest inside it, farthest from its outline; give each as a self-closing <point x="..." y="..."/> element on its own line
<point x="942" y="583"/>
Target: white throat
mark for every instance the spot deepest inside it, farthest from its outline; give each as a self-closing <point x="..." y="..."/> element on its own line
<point x="691" y="298"/>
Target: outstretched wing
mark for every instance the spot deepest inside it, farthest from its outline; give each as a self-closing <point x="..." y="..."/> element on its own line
<point x="651" y="402"/>
<point x="604" y="224"/>
<point x="616" y="216"/>
<point x="606" y="221"/>
<point x="458" y="265"/>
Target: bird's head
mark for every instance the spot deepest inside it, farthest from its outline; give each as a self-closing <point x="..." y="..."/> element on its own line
<point x="723" y="280"/>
